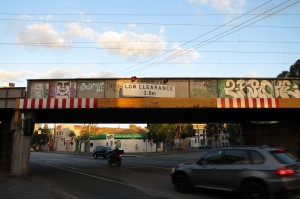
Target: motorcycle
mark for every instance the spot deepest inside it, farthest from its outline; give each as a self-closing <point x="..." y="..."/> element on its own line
<point x="115" y="159"/>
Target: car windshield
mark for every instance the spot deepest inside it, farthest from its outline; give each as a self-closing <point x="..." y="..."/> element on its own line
<point x="284" y="157"/>
<point x="109" y="148"/>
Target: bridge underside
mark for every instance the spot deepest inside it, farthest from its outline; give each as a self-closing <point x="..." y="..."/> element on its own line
<point x="163" y="115"/>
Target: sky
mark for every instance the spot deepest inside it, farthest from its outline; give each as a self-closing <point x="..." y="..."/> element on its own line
<point x="147" y="38"/>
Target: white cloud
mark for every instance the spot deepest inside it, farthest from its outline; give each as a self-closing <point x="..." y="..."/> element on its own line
<point x="185" y="56"/>
<point x="40" y="33"/>
<point x="75" y="30"/>
<point x="104" y="74"/>
<point x="130" y="44"/>
<point x="21" y="76"/>
<point x="85" y="18"/>
<point x="58" y="73"/>
<point x="228" y="6"/>
<point x="251" y="75"/>
<point x="162" y="29"/>
<point x="71" y="73"/>
<point x="13" y="77"/>
<point x="132" y="25"/>
<point x="199" y="1"/>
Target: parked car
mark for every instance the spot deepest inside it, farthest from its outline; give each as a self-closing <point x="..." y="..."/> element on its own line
<point x="251" y="172"/>
<point x="102" y="151"/>
<point x="205" y="147"/>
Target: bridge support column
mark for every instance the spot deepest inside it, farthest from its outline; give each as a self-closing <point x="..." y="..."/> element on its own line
<point x="21" y="144"/>
<point x="6" y="142"/>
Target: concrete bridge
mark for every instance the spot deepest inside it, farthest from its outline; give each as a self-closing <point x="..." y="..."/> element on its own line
<point x="140" y="100"/>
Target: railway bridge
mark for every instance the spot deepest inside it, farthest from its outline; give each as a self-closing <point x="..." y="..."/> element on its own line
<point x="148" y="100"/>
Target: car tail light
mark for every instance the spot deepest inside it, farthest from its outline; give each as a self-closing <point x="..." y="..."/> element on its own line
<point x="280" y="150"/>
<point x="283" y="171"/>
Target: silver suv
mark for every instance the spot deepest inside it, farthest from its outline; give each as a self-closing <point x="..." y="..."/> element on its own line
<point x="251" y="172"/>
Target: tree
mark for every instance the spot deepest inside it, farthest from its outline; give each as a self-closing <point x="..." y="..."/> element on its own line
<point x="72" y="135"/>
<point x="41" y="137"/>
<point x="157" y="133"/>
<point x="168" y="133"/>
<point x="214" y="129"/>
<point x="233" y="131"/>
<point x="293" y="72"/>
<point x="86" y="132"/>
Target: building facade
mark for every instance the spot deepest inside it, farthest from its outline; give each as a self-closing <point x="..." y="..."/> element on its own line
<point x="130" y="140"/>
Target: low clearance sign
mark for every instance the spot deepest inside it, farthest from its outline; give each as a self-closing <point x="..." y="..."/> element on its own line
<point x="147" y="90"/>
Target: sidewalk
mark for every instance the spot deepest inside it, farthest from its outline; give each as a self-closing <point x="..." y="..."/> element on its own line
<point x="12" y="187"/>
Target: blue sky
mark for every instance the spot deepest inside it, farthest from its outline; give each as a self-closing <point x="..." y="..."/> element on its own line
<point x="147" y="38"/>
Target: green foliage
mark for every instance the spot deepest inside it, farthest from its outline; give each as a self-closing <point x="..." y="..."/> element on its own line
<point x="82" y="138"/>
<point x="41" y="136"/>
<point x="157" y="132"/>
<point x="169" y="132"/>
<point x="293" y="72"/>
<point x="72" y="134"/>
<point x="233" y="131"/>
<point x="85" y="133"/>
<point x="214" y="128"/>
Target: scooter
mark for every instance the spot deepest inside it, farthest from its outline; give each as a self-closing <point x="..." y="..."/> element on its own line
<point x="115" y="159"/>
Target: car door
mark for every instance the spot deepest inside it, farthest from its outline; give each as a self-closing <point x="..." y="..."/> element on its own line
<point x="221" y="169"/>
<point x="207" y="174"/>
<point x="236" y="162"/>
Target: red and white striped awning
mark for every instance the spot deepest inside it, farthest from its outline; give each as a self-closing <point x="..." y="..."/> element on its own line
<point x="248" y="102"/>
<point x="57" y="103"/>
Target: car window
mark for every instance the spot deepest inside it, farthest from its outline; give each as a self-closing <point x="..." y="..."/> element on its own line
<point x="256" y="157"/>
<point x="284" y="156"/>
<point x="236" y="156"/>
<point x="214" y="157"/>
<point x="109" y="148"/>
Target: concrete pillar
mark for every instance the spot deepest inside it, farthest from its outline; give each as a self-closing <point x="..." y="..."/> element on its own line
<point x="6" y="142"/>
<point x="21" y="146"/>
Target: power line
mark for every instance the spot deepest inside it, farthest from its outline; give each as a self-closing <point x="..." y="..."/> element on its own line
<point x="149" y="41"/>
<point x="219" y="36"/>
<point x="141" y="23"/>
<point x="118" y="63"/>
<point x="197" y="37"/>
<point x="137" y="14"/>
<point x="51" y="45"/>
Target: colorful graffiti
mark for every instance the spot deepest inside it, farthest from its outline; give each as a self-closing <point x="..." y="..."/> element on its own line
<point x="259" y="88"/>
<point x="91" y="86"/>
<point x="204" y="88"/>
<point x="194" y="88"/>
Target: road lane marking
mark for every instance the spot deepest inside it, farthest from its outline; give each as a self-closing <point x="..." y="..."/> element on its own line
<point x="105" y="179"/>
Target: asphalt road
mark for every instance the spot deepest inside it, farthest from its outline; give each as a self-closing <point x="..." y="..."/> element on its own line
<point x="73" y="176"/>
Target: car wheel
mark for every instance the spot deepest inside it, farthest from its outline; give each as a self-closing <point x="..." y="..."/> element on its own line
<point x="254" y="190"/>
<point x="95" y="156"/>
<point x="181" y="183"/>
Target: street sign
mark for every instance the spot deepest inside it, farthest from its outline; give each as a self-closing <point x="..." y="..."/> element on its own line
<point x="147" y="90"/>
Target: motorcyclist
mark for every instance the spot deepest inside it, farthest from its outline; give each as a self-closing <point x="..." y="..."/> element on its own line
<point x="115" y="157"/>
<point x="115" y="152"/>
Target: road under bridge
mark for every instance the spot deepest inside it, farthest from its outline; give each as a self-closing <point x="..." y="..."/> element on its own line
<point x="142" y="100"/>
